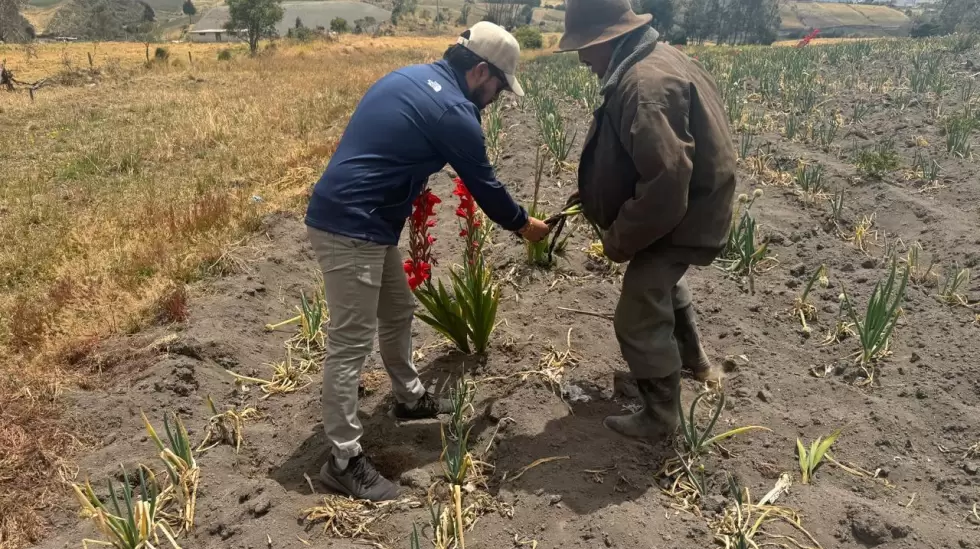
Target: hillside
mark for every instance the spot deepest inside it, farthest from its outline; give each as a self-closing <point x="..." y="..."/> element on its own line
<point x="845" y="18"/>
<point x="101" y="19"/>
<point x="313" y="14"/>
<point x="16" y="28"/>
<point x="831" y="18"/>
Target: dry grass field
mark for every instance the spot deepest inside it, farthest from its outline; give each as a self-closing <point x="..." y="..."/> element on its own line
<point x="124" y="180"/>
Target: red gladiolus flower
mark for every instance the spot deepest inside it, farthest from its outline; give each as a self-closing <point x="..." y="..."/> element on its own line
<point x="467" y="211"/>
<point x="418" y="268"/>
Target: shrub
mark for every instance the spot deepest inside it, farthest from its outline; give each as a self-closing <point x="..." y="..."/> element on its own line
<point x="224" y="55"/>
<point x="161" y="54"/>
<point x="339" y="25"/>
<point x="925" y="26"/>
<point x="529" y="38"/>
<point x="302" y="34"/>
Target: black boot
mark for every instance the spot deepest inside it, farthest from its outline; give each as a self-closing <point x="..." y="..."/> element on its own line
<point x="658" y="418"/>
<point x="693" y="357"/>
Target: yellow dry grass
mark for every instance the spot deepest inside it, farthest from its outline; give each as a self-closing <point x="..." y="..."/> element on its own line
<point x="120" y="183"/>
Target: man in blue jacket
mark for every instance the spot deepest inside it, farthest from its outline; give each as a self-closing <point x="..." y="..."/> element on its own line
<point x="407" y="127"/>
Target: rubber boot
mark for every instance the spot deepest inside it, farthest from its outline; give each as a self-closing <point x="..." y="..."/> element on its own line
<point x="693" y="357"/>
<point x="658" y="418"/>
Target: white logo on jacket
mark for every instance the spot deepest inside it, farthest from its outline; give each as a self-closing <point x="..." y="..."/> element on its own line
<point x="435" y="86"/>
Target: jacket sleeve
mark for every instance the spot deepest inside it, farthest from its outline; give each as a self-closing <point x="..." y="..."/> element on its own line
<point x="459" y="138"/>
<point x="657" y="136"/>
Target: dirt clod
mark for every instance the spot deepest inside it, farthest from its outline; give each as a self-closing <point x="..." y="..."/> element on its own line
<point x="416" y="478"/>
<point x="868" y="528"/>
<point x="262" y="505"/>
<point x="971" y="468"/>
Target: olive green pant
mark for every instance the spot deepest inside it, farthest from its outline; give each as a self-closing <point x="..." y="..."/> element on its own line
<point x="652" y="290"/>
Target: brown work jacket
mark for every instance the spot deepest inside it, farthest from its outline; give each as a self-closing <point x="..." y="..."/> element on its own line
<point x="658" y="169"/>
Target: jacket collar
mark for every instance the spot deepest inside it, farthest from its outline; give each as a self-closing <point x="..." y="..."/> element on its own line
<point x="630" y="49"/>
<point x="460" y="77"/>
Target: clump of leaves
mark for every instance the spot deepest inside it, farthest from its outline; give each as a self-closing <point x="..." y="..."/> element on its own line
<point x="810" y="179"/>
<point x="878" y="160"/>
<point x="863" y="232"/>
<point x="178" y="456"/>
<point x="553" y="130"/>
<point x="698" y="441"/>
<point x="133" y="523"/>
<point x="457" y="462"/>
<point x="958" y="130"/>
<point x="837" y="206"/>
<point x="954" y="282"/>
<point x="742" y="255"/>
<point x="802" y="306"/>
<point x="311" y="315"/>
<point x="288" y="376"/>
<point x="539" y="253"/>
<point x="812" y="459"/>
<point x="226" y="427"/>
<point x="875" y="328"/>
<point x="917" y="274"/>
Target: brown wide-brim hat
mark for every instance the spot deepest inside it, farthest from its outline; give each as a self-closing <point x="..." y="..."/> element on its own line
<point x="592" y="22"/>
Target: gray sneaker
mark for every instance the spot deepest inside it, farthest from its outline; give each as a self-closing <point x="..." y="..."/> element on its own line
<point x="428" y="407"/>
<point x="360" y="480"/>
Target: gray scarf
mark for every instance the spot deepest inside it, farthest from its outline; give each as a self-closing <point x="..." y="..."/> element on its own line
<point x="630" y="49"/>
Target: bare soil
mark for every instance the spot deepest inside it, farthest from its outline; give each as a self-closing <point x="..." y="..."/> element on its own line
<point x="913" y="426"/>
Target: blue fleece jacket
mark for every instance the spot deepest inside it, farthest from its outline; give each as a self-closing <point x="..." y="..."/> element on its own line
<point x="408" y="126"/>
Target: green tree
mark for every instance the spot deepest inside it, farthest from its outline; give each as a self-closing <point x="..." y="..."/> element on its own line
<point x="402" y="7"/>
<point x="464" y="13"/>
<point x="339" y="25"/>
<point x="529" y="38"/>
<point x="190" y="10"/>
<point x="257" y="17"/>
<point x="699" y="20"/>
<point x="662" y="11"/>
<point x="960" y="16"/>
<point x="13" y="26"/>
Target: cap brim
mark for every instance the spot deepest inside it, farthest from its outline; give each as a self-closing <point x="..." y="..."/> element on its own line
<point x="514" y="85"/>
<point x="571" y="42"/>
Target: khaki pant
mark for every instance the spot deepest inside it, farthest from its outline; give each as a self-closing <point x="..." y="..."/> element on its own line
<point x="652" y="290"/>
<point x="367" y="293"/>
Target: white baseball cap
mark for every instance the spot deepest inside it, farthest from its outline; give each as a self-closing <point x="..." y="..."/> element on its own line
<point x="497" y="47"/>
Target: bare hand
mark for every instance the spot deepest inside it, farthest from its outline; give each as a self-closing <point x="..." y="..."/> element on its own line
<point x="535" y="230"/>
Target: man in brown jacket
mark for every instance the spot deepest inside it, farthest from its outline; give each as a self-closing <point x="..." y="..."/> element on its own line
<point x="657" y="175"/>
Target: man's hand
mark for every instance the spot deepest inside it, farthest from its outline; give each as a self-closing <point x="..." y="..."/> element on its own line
<point x="535" y="230"/>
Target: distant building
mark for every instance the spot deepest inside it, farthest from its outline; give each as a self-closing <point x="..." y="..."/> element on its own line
<point x="211" y="35"/>
<point x="211" y="27"/>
